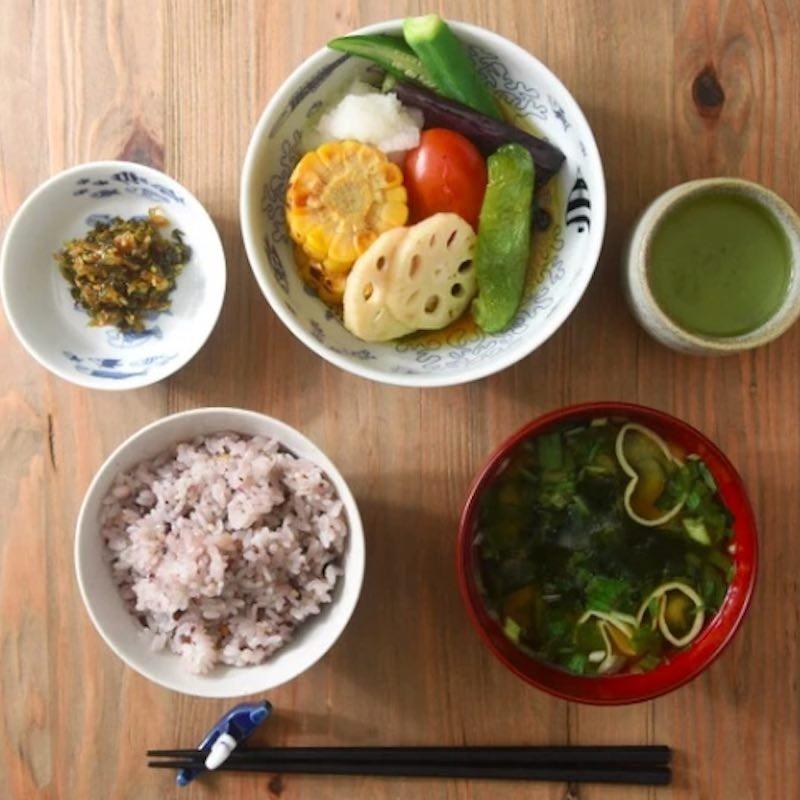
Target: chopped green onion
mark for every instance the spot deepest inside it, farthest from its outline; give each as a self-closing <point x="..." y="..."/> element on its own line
<point x="606" y="594"/>
<point x="577" y="663"/>
<point x="707" y="476"/>
<point x="697" y="530"/>
<point x="648" y="663"/>
<point x="580" y="504"/>
<point x="512" y="630"/>
<point x="550" y="452"/>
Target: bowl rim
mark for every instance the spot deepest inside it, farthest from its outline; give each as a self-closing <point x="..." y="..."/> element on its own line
<point x="72" y="376"/>
<point x="507" y="357"/>
<point x="739" y="600"/>
<point x="85" y="526"/>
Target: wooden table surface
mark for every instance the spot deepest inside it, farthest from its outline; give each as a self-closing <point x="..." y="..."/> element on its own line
<point x="673" y="92"/>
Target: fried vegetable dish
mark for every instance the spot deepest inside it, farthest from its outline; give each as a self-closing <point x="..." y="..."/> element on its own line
<point x="124" y="269"/>
<point x="396" y="251"/>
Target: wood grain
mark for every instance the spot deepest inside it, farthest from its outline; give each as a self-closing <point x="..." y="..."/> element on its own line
<point x="673" y="91"/>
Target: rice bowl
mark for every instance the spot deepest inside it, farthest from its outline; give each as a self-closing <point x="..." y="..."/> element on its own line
<point x="283" y="608"/>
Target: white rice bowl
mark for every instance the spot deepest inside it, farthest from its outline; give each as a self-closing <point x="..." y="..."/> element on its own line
<point x="175" y="541"/>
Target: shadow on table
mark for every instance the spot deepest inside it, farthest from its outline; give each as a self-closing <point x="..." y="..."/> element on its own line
<point x="409" y="638"/>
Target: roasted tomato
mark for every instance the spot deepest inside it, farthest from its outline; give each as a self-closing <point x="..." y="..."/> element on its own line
<point x="446" y="172"/>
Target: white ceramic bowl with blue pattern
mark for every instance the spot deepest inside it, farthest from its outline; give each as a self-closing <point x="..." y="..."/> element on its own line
<point x="536" y="96"/>
<point x="37" y="300"/>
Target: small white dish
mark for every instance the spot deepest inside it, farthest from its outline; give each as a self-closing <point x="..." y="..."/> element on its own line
<point x="37" y="300"/>
<point x="122" y="632"/>
<point x="640" y="297"/>
<point x="536" y="97"/>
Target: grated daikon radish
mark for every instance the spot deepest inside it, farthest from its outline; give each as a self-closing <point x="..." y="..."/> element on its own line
<point x="371" y="117"/>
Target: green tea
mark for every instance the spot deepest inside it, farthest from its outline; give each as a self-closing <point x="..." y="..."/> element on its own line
<point x="719" y="264"/>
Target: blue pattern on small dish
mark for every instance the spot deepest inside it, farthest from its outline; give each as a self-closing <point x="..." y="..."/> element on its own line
<point x="98" y="219"/>
<point x="128" y="339"/>
<point x="131" y="181"/>
<point x="116" y="368"/>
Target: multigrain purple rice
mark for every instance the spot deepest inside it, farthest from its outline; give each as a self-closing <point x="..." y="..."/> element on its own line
<point x="222" y="546"/>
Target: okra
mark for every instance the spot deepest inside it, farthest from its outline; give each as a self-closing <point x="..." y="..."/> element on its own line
<point x="447" y="62"/>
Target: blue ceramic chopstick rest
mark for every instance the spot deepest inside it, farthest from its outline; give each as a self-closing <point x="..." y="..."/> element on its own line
<point x="232" y="728"/>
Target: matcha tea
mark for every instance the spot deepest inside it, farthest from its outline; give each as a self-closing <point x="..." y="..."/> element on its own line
<point x="719" y="264"/>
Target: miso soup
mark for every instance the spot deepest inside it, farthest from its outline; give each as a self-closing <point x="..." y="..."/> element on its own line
<point x="603" y="548"/>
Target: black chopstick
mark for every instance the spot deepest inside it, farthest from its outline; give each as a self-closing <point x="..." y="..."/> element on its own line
<point x="642" y="765"/>
<point x="614" y="773"/>
<point x="521" y="756"/>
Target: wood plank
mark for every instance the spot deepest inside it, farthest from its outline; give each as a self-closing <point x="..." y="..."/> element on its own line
<point x="180" y="84"/>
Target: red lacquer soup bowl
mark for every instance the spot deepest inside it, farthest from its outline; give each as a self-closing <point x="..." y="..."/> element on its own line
<point x="678" y="667"/>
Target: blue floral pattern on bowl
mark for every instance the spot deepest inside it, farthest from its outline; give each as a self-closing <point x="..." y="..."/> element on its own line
<point x="545" y="105"/>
